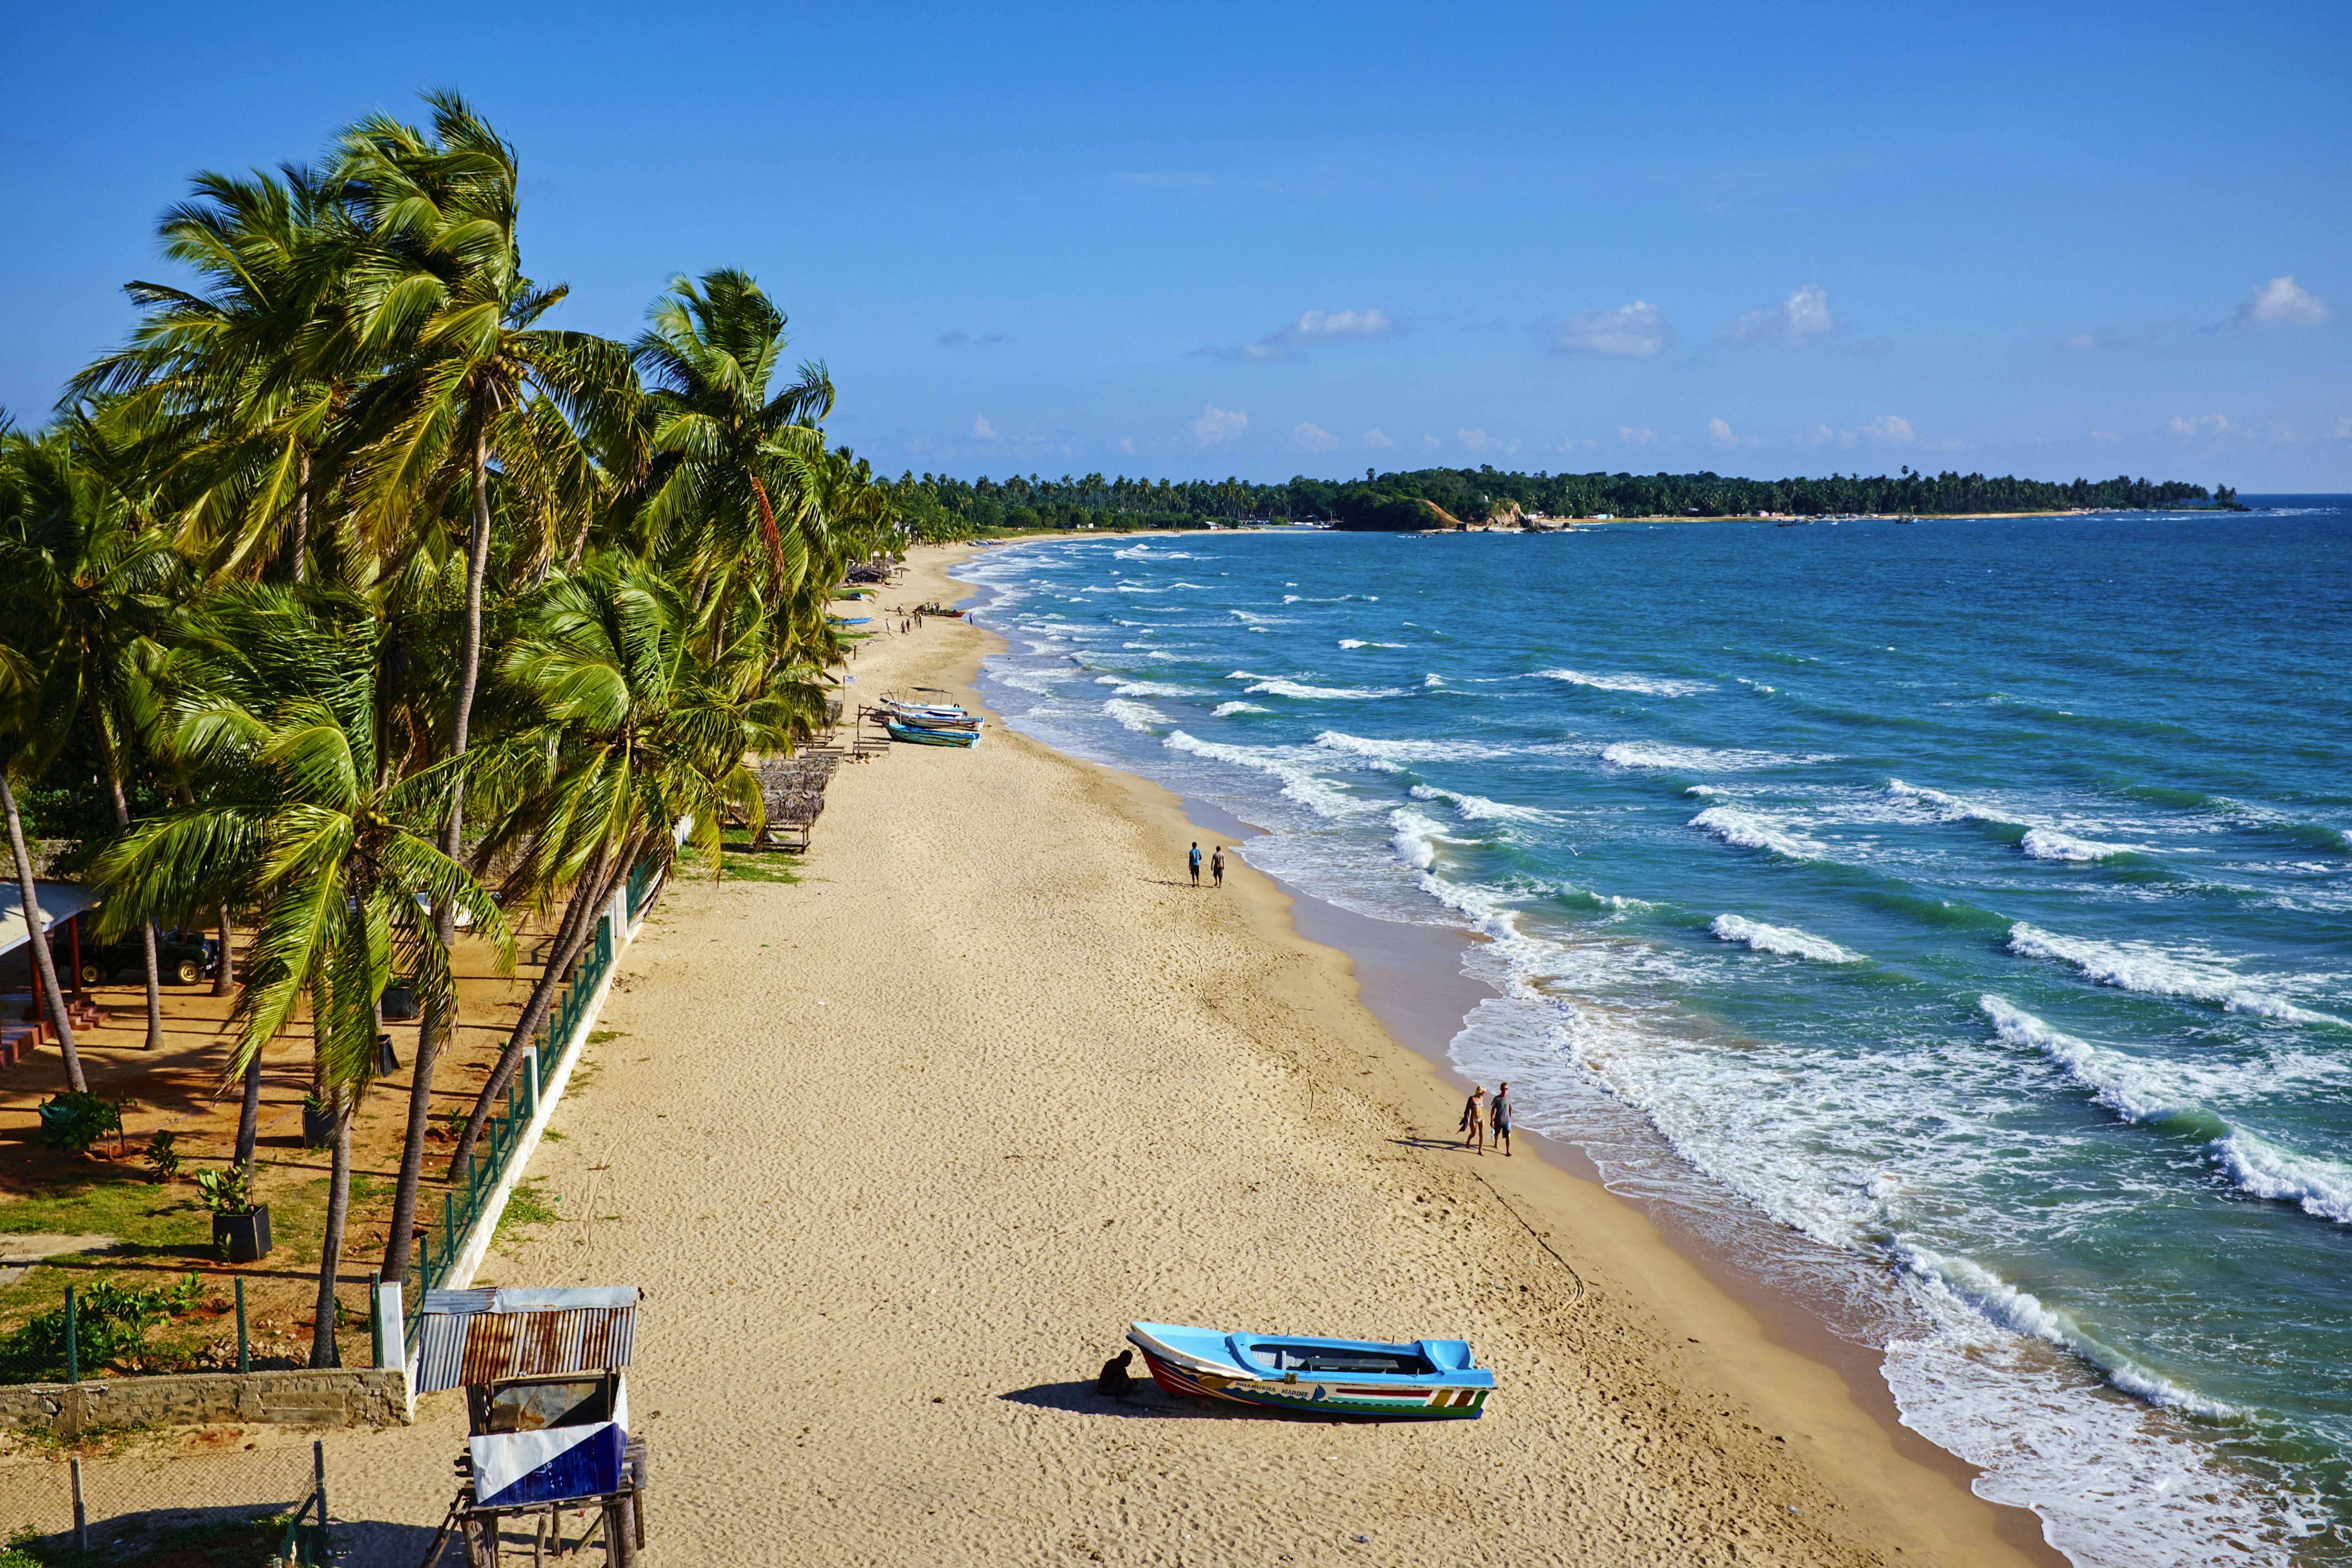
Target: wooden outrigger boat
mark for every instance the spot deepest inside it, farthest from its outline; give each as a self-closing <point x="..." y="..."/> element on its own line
<point x="1426" y="1380"/>
<point x="916" y="735"/>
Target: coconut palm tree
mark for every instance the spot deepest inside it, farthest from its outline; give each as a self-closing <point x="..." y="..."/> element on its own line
<point x="638" y="730"/>
<point x="730" y="448"/>
<point x="325" y="839"/>
<point x="442" y="303"/>
<point x="108" y="582"/>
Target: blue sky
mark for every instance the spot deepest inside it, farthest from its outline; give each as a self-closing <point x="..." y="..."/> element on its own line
<point x="2050" y="239"/>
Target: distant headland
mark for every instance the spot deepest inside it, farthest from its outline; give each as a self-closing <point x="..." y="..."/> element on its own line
<point x="939" y="507"/>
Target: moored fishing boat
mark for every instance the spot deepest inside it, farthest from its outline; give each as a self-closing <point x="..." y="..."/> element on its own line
<point x="916" y="735"/>
<point x="1426" y="1380"/>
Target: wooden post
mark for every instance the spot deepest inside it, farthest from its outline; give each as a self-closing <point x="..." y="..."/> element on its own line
<point x="81" y="1516"/>
<point x="73" y="937"/>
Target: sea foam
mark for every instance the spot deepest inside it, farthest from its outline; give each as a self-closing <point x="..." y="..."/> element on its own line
<point x="1646" y="685"/>
<point x="1749" y="831"/>
<point x="1784" y="940"/>
<point x="2151" y="971"/>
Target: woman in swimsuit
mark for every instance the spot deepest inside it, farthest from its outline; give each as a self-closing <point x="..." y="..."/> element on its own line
<point x="1473" y="1120"/>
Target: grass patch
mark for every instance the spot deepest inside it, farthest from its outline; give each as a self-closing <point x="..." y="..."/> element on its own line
<point x="598" y="1036"/>
<point x="744" y="864"/>
<point x="525" y="1206"/>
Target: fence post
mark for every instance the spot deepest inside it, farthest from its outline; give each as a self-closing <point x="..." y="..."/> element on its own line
<point x="81" y="1516"/>
<point x="73" y="1343"/>
<point x="319" y="1472"/>
<point x="448" y="1226"/>
<point x="244" y="1349"/>
<point x="375" y="1316"/>
<point x="530" y="1077"/>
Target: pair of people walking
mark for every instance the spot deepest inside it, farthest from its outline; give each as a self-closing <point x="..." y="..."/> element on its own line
<point x="1481" y="1116"/>
<point x="1216" y="863"/>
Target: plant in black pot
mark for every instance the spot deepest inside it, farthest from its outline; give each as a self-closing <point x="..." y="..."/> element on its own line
<point x="318" y="1121"/>
<point x="240" y="1226"/>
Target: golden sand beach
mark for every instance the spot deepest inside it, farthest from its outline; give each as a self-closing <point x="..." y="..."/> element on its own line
<point x="898" y="1150"/>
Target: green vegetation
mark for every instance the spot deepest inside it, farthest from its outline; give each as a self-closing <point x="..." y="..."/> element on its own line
<point x="348" y="575"/>
<point x="110" y="1328"/>
<point x="939" y="507"/>
<point x="212" y="1543"/>
<point x="526" y="1204"/>
<point x="74" y="1122"/>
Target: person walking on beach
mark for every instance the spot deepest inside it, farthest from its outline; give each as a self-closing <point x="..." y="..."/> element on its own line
<point x="1217" y="866"/>
<point x="1498" y="1117"/>
<point x="1473" y="1120"/>
<point x="1196" y="863"/>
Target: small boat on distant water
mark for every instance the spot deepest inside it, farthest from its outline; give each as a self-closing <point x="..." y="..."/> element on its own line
<point x="916" y="734"/>
<point x="1431" y="1380"/>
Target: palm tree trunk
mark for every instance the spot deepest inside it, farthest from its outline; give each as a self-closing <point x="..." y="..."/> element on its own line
<point x="146" y="928"/>
<point x="224" y="974"/>
<point x="44" y="963"/>
<point x="440" y="1020"/>
<point x="587" y="902"/>
<point x="298" y="541"/>
<point x="324" y="1352"/>
<point x="248" y="1118"/>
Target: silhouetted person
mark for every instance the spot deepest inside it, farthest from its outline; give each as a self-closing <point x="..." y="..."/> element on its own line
<point x="1113" y="1379"/>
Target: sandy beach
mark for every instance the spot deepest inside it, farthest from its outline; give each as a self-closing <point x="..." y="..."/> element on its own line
<point x="898" y="1151"/>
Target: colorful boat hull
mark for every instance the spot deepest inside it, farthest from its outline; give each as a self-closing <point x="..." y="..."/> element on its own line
<point x="914" y="735"/>
<point x="1429" y="1380"/>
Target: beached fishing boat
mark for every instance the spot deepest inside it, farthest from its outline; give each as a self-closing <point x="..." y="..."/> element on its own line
<point x="922" y="721"/>
<point x="1426" y="1380"/>
<point x="916" y="735"/>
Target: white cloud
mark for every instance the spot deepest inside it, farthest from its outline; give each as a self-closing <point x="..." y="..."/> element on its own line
<point x="2105" y="436"/>
<point x="1720" y="432"/>
<point x="1377" y="440"/>
<point x="983" y="429"/>
<point x="1127" y="444"/>
<point x="2343" y="431"/>
<point x="1432" y="442"/>
<point x="1799" y="320"/>
<point x="1636" y="330"/>
<point x="1312" y="327"/>
<point x="1819" y="435"/>
<point x="1311" y="438"/>
<point x="2281" y="302"/>
<point x="1342" y="324"/>
<point x="1216" y="424"/>
<point x="1632" y="436"/>
<point x="2201" y="424"/>
<point x="1889" y="430"/>
<point x="1479" y="441"/>
<point x="2083" y="341"/>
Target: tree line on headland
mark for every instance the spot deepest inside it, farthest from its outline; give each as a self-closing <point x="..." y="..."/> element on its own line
<point x="348" y="602"/>
<point x="941" y="507"/>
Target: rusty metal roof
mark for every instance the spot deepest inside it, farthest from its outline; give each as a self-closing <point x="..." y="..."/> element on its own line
<point x="482" y="1336"/>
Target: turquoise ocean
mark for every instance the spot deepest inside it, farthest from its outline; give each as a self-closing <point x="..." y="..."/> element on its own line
<point x="1951" y="921"/>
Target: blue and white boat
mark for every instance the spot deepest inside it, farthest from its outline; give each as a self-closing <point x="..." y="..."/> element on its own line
<point x="925" y="735"/>
<point x="1426" y="1380"/>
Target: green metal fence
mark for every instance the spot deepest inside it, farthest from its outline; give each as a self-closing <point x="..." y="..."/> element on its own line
<point x="463" y="1201"/>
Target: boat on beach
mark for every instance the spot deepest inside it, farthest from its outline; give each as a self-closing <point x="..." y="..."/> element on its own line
<point x="917" y="734"/>
<point x="1426" y="1380"/>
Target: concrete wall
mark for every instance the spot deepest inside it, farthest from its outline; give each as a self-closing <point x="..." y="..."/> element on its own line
<point x="355" y="1397"/>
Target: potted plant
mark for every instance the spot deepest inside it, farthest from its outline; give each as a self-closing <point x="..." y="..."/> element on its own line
<point x="240" y="1226"/>
<point x="400" y="1002"/>
<point x="318" y="1121"/>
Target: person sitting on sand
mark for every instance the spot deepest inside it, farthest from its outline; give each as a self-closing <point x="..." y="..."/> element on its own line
<point x="1217" y="866"/>
<point x="1113" y="1379"/>
<point x="1498" y="1117"/>
<point x="1473" y="1120"/>
<point x="1196" y="863"/>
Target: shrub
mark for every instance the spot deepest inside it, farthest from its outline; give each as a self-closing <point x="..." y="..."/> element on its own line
<point x="74" y="1121"/>
<point x="226" y="1192"/>
<point x="162" y="1157"/>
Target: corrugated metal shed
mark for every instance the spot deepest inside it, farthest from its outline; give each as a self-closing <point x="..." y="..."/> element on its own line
<point x="481" y="1336"/>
